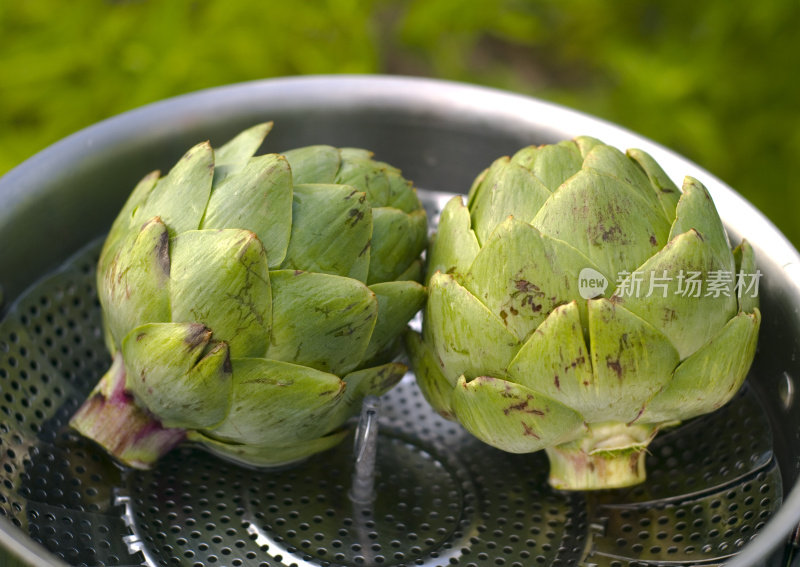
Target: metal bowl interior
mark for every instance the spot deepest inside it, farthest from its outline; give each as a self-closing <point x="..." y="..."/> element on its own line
<point x="441" y="135"/>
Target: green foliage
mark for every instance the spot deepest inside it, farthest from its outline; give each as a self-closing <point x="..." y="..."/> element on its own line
<point x="714" y="80"/>
<point x="66" y="65"/>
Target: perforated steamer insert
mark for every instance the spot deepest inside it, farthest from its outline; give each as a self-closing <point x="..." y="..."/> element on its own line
<point x="718" y="488"/>
<point x="441" y="497"/>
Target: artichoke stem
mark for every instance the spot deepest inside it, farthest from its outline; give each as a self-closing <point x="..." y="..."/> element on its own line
<point x="111" y="418"/>
<point x="610" y="455"/>
<point x="577" y="470"/>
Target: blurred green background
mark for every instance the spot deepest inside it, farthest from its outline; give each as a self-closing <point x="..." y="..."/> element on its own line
<point x="716" y="81"/>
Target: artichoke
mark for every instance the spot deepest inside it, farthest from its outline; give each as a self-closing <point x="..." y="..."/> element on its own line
<point x="251" y="303"/>
<point x="579" y="303"/>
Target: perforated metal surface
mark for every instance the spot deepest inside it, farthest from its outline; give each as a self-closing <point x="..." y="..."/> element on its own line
<point x="443" y="497"/>
<point x="56" y="486"/>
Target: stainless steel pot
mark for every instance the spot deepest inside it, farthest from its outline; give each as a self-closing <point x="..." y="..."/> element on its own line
<point x="63" y="502"/>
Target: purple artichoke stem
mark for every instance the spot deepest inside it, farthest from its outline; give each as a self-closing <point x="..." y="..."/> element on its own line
<point x="111" y="418"/>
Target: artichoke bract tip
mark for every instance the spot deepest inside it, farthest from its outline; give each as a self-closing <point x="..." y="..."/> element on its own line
<point x="251" y="302"/>
<point x="578" y="302"/>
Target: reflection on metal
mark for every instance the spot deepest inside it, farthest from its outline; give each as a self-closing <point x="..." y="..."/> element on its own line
<point x="786" y="390"/>
<point x="362" y="492"/>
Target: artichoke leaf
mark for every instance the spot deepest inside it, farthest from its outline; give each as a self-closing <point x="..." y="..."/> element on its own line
<point x="313" y="164"/>
<point x="747" y="275"/>
<point x="267" y="456"/>
<point x="521" y="275"/>
<point x="180" y="197"/>
<point x="666" y="191"/>
<point x="220" y="278"/>
<point x="670" y="291"/>
<point x="468" y="338"/>
<point x="605" y="219"/>
<point x="555" y="362"/>
<point x="398" y="239"/>
<point x="414" y="273"/>
<point x="320" y="320"/>
<point x="611" y="161"/>
<point x="477" y="183"/>
<point x="585" y="144"/>
<point x="108" y="338"/>
<point x="355" y="154"/>
<point x="383" y="183"/>
<point x="123" y="225"/>
<point x="402" y="194"/>
<point x="479" y="199"/>
<point x="277" y="403"/>
<point x="456" y="243"/>
<point x="551" y="164"/>
<point x="710" y="377"/>
<point x="508" y="190"/>
<point x="398" y="302"/>
<point x="177" y="374"/>
<point x="365" y="175"/>
<point x="331" y="230"/>
<point x="696" y="211"/>
<point x="631" y="362"/>
<point x="373" y="381"/>
<point x="436" y="389"/>
<point x="135" y="282"/>
<point x="512" y="417"/>
<point x="235" y="154"/>
<point x="265" y="184"/>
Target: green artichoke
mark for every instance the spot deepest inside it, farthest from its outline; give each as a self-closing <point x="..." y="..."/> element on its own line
<point x="251" y="303"/>
<point x="579" y="303"/>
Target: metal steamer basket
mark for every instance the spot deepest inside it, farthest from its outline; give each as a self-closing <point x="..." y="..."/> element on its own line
<point x="720" y="487"/>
